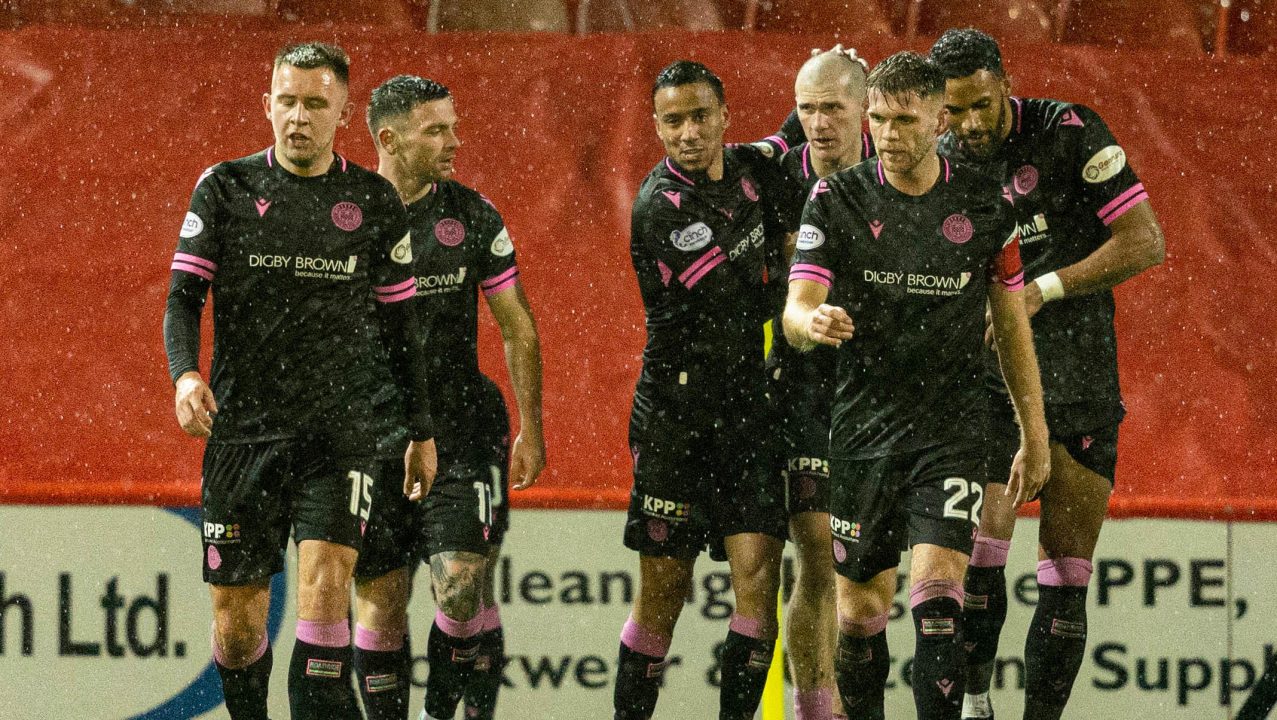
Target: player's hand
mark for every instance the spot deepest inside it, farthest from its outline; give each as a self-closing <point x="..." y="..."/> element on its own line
<point x="849" y="52"/>
<point x="195" y="405"/>
<point x="527" y="460"/>
<point x="1029" y="472"/>
<point x="830" y="325"/>
<point x="421" y="464"/>
<point x="1032" y="295"/>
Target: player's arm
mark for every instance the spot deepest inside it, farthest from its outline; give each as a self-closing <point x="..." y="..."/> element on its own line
<point x="790" y="134"/>
<point x="1137" y="244"/>
<point x="808" y="320"/>
<point x="523" y="360"/>
<point x="193" y="269"/>
<point x="1013" y="338"/>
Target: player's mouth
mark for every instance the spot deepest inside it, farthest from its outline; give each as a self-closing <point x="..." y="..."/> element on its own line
<point x="299" y="139"/>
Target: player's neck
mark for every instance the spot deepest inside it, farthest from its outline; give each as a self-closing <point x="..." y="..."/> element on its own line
<point x="824" y="169"/>
<point x="319" y="167"/>
<point x="919" y="180"/>
<point x="715" y="169"/>
<point x="411" y="187"/>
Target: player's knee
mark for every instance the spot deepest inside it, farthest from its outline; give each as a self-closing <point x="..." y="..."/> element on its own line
<point x="238" y="639"/>
<point x="458" y="585"/>
<point x="381" y="602"/>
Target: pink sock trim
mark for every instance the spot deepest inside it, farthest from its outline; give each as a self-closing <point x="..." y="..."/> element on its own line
<point x="220" y="657"/>
<point x="1065" y="571"/>
<point x="989" y="552"/>
<point x="641" y="640"/>
<point x="749" y="627"/>
<point x="378" y="640"/>
<point x="459" y="628"/>
<point x="815" y="704"/>
<point x="931" y="589"/>
<point x="863" y="628"/>
<point x="335" y="634"/>
<point x="491" y="617"/>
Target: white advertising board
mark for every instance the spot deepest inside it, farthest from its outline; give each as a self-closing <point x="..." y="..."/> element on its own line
<point x="103" y="615"/>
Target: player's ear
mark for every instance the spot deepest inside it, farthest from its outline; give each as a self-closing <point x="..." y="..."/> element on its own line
<point x="726" y="120"/>
<point x="266" y="104"/>
<point x="388" y="139"/>
<point x="347" y="112"/>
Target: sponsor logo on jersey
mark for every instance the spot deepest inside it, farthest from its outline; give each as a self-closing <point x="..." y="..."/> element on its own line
<point x="502" y="245"/>
<point x="810" y="237"/>
<point x="1033" y="231"/>
<point x="667" y="509"/>
<point x="450" y="232"/>
<point x="753" y="240"/>
<point x="957" y="228"/>
<point x="875" y="227"/>
<point x="693" y="237"/>
<point x="262" y="206"/>
<point x="347" y="216"/>
<point x="443" y="282"/>
<point x="1104" y="164"/>
<point x="302" y="266"/>
<point x="402" y="251"/>
<point x="192" y="225"/>
<point x="920" y="283"/>
<point x="1025" y="179"/>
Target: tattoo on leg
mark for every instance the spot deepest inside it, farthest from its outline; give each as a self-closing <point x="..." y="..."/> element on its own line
<point x="458" y="582"/>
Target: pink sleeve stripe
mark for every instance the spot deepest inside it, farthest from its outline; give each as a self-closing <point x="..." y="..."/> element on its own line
<point x="1120" y="200"/>
<point x="194" y="260"/>
<point x="489" y="291"/>
<point x="410" y="283"/>
<point x="696" y="266"/>
<point x="705" y="268"/>
<point x="804" y="275"/>
<point x="784" y="146"/>
<point x="500" y="278"/>
<point x="192" y="269"/>
<point x="387" y="298"/>
<point x="1125" y="207"/>
<point x="1014" y="283"/>
<point x="809" y="268"/>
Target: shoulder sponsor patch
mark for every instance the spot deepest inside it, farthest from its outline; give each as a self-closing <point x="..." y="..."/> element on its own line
<point x="693" y="237"/>
<point x="502" y="245"/>
<point x="810" y="237"/>
<point x="191" y="226"/>
<point x="402" y="251"/>
<point x="1104" y="164"/>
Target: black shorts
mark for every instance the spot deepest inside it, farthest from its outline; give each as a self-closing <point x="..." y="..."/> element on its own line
<point x="804" y="406"/>
<point x="393" y="539"/>
<point x="1094" y="449"/>
<point x="253" y="493"/>
<point x="704" y="470"/>
<point x="880" y="506"/>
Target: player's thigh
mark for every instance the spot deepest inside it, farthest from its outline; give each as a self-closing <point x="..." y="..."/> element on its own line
<point x="244" y="504"/>
<point x="392" y="529"/>
<point x="324" y="572"/>
<point x="1074" y="503"/>
<point x="932" y="562"/>
<point x="861" y="601"/>
<point x="946" y="495"/>
<point x="867" y="521"/>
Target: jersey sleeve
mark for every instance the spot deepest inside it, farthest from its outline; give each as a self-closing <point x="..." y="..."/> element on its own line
<point x="497" y="262"/>
<point x="193" y="272"/>
<point x="1109" y="187"/>
<point x="1006" y="267"/>
<point x="815" y="251"/>
<point x="790" y="135"/>
<point x="403" y="332"/>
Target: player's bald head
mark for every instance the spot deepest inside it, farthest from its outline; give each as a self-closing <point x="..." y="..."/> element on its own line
<point x="832" y="68"/>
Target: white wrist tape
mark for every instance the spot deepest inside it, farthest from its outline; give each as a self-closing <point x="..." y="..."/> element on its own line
<point x="1050" y="286"/>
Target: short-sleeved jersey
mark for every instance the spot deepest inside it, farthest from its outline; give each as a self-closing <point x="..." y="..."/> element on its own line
<point x="1069" y="179"/>
<point x="913" y="272"/>
<point x="819" y="365"/>
<point x="295" y="265"/>
<point x="700" y="250"/>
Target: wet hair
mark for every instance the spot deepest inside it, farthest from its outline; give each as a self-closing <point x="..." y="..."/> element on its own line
<point x="960" y="53"/>
<point x="398" y="96"/>
<point x="311" y="55"/>
<point x="906" y="73"/>
<point x="687" y="72"/>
